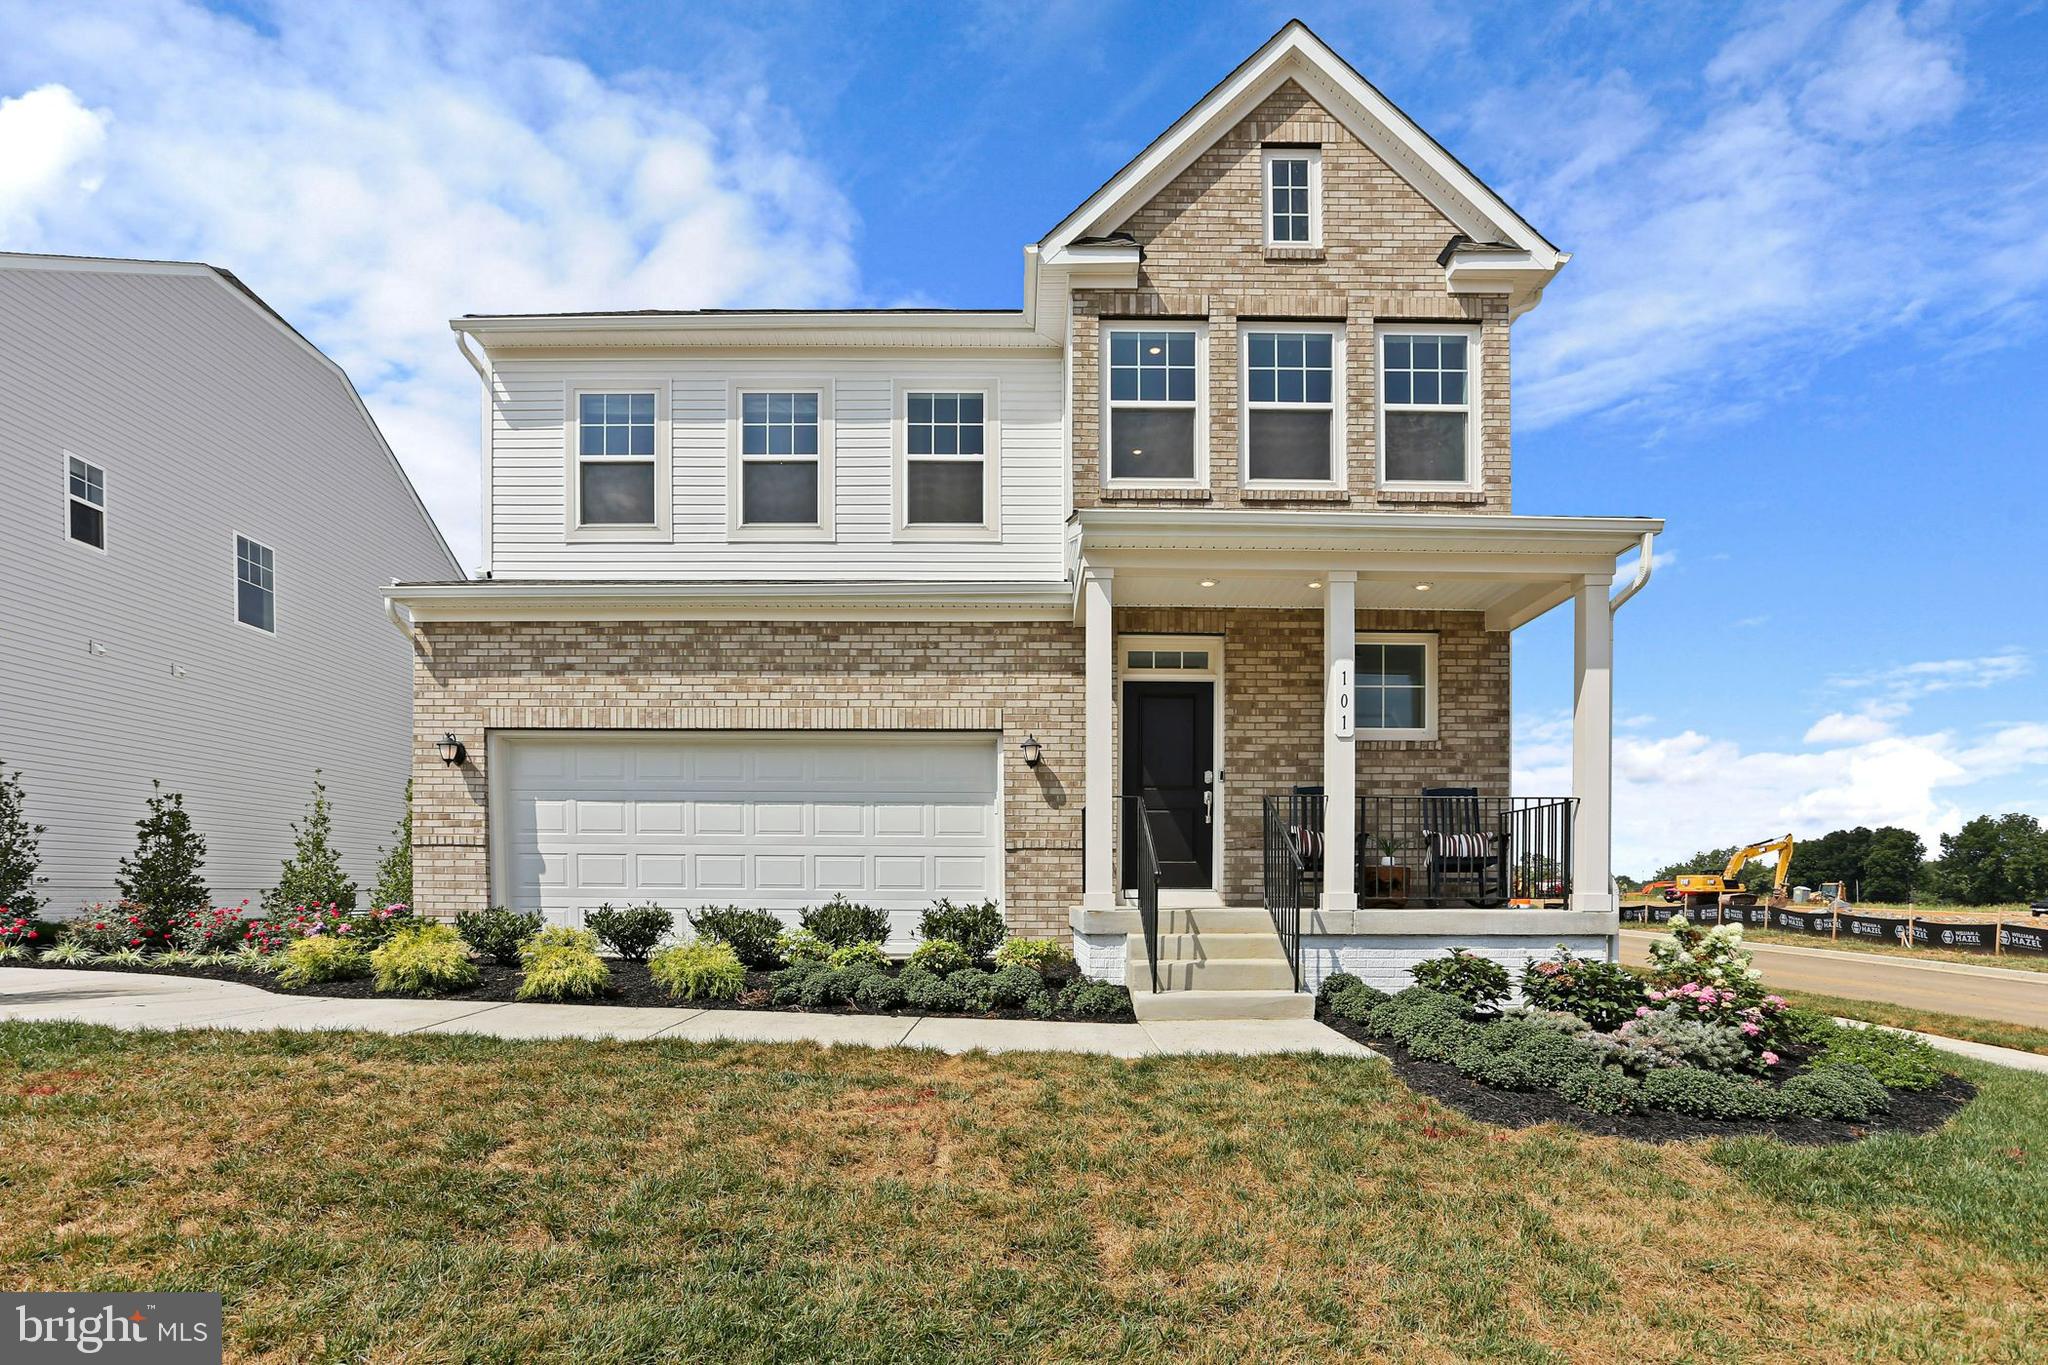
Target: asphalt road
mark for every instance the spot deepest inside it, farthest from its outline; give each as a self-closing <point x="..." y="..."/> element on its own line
<point x="1948" y="987"/>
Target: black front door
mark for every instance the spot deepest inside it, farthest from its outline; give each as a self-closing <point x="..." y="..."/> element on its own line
<point x="1169" y="761"/>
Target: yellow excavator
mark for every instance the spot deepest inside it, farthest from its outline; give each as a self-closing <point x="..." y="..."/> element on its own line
<point x="1705" y="889"/>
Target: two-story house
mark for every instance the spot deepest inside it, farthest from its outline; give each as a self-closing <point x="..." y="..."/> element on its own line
<point x="1123" y="608"/>
<point x="198" y="523"/>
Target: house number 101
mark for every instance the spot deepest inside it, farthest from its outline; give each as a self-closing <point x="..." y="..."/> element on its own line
<point x="1342" y="697"/>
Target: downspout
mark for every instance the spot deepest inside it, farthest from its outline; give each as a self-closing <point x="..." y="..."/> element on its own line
<point x="1644" y="561"/>
<point x="398" y="616"/>
<point x="462" y="345"/>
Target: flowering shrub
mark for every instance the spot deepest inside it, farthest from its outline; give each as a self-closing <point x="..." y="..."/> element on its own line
<point x="104" y="928"/>
<point x="19" y="931"/>
<point x="1671" y="1037"/>
<point x="1705" y="973"/>
<point x="1604" y="994"/>
<point x="368" y="928"/>
<point x="940" y="956"/>
<point x="215" y="930"/>
<point x="1478" y="981"/>
<point x="801" y="945"/>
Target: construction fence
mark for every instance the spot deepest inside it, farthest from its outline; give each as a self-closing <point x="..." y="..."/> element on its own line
<point x="1994" y="937"/>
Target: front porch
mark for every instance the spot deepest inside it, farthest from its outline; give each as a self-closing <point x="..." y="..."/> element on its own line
<point x="1265" y="688"/>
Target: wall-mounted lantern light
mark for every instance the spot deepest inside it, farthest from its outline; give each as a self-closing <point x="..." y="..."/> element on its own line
<point x="1033" y="751"/>
<point x="452" y="752"/>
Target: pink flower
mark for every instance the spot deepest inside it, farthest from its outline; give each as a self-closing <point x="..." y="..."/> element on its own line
<point x="1643" y="1011"/>
<point x="1770" y="1058"/>
<point x="1750" y="1030"/>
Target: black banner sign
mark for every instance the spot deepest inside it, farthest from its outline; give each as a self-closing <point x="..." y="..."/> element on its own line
<point x="1961" y="938"/>
<point x="1872" y="928"/>
<point x="1802" y="921"/>
<point x="2022" y="938"/>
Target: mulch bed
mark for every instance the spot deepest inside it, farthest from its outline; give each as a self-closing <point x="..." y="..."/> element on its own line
<point x="1912" y="1111"/>
<point x="631" y="985"/>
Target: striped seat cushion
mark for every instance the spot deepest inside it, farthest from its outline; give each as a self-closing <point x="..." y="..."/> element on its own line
<point x="1309" y="841"/>
<point x="1462" y="845"/>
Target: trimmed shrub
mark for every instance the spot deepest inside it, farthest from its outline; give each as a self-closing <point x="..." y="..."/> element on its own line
<point x="1521" y="1055"/>
<point x="1480" y="982"/>
<point x="562" y="964"/>
<point x="164" y="871"/>
<point x="859" y="955"/>
<point x="940" y="956"/>
<point x="1897" y="1060"/>
<point x="1803" y="1027"/>
<point x="801" y="945"/>
<point x="312" y="875"/>
<point x="19" y="929"/>
<point x="928" y="991"/>
<point x="1602" y="1089"/>
<point x="1048" y="957"/>
<point x="751" y="934"/>
<point x="787" y="985"/>
<point x="1355" y="1002"/>
<point x="633" y="932"/>
<point x="977" y="928"/>
<point x="840" y="922"/>
<point x="1398" y="1016"/>
<point x="1095" y="1000"/>
<point x="1604" y="994"/>
<point x="1011" y="987"/>
<point x="1669" y="1037"/>
<point x="1333" y="983"/>
<point x="974" y="986"/>
<point x="878" y="992"/>
<point x="498" y="933"/>
<point x="703" y="970"/>
<point x="1711" y="1095"/>
<point x="1557" y="1021"/>
<point x="323" y="957"/>
<point x="422" y="958"/>
<point x="214" y="930"/>
<point x="1439" y="1039"/>
<point x="1836" y="1091"/>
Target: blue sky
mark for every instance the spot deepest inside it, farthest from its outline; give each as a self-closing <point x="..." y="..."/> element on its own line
<point x="1802" y="321"/>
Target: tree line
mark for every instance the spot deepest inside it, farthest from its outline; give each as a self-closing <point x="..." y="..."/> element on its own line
<point x="1991" y="860"/>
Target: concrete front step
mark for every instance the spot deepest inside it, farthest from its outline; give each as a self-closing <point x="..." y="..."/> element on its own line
<point x="1181" y="947"/>
<point x="1214" y="974"/>
<point x="1282" y="1004"/>
<point x="1210" y="919"/>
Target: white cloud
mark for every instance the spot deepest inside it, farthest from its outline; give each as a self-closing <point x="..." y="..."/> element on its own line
<point x="1861" y="726"/>
<point x="50" y="148"/>
<point x="1903" y="682"/>
<point x="373" y="174"/>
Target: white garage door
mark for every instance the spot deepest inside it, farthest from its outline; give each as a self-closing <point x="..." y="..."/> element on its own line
<point x="777" y="820"/>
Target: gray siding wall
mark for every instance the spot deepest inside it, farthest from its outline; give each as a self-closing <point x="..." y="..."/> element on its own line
<point x="210" y="420"/>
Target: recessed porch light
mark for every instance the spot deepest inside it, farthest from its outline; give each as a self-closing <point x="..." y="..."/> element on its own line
<point x="1316" y="583"/>
<point x="1424" y="587"/>
<point x="1208" y="582"/>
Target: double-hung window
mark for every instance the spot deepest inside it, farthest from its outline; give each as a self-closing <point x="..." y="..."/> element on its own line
<point x="1294" y="215"/>
<point x="1429" y="426"/>
<point x="1292" y="385"/>
<point x="85" y="502"/>
<point x="255" y="584"/>
<point x="1395" y="693"/>
<point x="782" y="472"/>
<point x="618" y="464"/>
<point x="947" y="480"/>
<point x="1155" y="388"/>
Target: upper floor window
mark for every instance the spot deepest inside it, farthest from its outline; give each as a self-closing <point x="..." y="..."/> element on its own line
<point x="781" y="476"/>
<point x="1155" y="389"/>
<point x="85" y="502"/>
<point x="615" y="459"/>
<point x="1428" y="434"/>
<point x="1292" y="386"/>
<point x="947" y="482"/>
<point x="255" y="584"/>
<point x="1294" y="215"/>
<point x="1395" y="689"/>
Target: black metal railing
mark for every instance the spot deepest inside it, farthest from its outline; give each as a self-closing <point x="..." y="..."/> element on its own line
<point x="1447" y="847"/>
<point x="1286" y="875"/>
<point x="1144" y="875"/>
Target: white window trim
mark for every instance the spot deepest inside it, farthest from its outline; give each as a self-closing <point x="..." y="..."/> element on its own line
<point x="662" y="530"/>
<point x="734" y="528"/>
<point x="1314" y="157"/>
<point x="1200" y="405"/>
<point x="235" y="584"/>
<point x="991" y="527"/>
<point x="1430" y="703"/>
<point x="1339" y="467"/>
<point x="64" y="460"/>
<point x="1475" y="398"/>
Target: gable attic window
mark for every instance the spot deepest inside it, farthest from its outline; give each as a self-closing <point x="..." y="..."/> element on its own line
<point x="1293" y="196"/>
<point x="1428" y="407"/>
<point x="85" y="502"/>
<point x="1293" y="394"/>
<point x="618" y="464"/>
<point x="1155" y="389"/>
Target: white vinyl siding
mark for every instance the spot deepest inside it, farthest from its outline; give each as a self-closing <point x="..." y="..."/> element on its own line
<point x="1028" y="496"/>
<point x="130" y="665"/>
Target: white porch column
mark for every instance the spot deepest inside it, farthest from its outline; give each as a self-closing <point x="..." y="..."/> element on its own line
<point x="1340" y="753"/>
<point x="1098" y="872"/>
<point x="1593" y="744"/>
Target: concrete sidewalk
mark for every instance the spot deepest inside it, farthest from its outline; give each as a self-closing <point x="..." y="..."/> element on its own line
<point x="140" y="1000"/>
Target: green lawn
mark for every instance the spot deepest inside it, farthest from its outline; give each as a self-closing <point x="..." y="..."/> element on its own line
<point x="432" y="1199"/>
<point x="1996" y="1032"/>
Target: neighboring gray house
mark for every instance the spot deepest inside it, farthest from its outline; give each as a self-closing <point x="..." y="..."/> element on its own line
<point x="197" y="522"/>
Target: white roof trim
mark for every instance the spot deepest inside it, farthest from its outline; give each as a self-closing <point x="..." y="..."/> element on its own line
<point x="1297" y="53"/>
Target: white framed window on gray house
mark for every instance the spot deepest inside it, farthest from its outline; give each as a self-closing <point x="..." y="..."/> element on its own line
<point x="85" y="502"/>
<point x="1156" y="390"/>
<point x="1294" y="196"/>
<point x="619" y="463"/>
<point x="1293" y="385"/>
<point x="947" y="479"/>
<point x="1429" y="407"/>
<point x="781" y="484"/>
<point x="1395" y="691"/>
<point x="255" y="585"/>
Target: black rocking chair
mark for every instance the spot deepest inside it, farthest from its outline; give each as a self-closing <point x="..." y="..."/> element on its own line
<point x="1459" y="846"/>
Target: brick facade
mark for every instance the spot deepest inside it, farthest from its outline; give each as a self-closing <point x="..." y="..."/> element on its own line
<point x="1204" y="258"/>
<point x="1010" y="676"/>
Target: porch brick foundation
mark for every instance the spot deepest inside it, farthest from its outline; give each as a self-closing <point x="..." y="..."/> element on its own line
<point x="1383" y="960"/>
<point x="1102" y="956"/>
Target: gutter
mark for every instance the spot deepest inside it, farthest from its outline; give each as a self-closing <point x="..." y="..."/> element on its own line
<point x="398" y="616"/>
<point x="1645" y="562"/>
